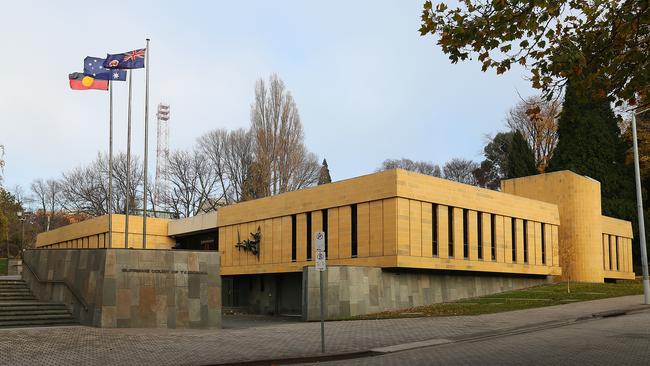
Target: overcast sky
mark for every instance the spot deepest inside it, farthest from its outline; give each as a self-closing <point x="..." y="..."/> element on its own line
<point x="367" y="86"/>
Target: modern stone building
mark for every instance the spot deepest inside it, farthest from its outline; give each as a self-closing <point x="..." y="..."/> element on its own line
<point x="394" y="239"/>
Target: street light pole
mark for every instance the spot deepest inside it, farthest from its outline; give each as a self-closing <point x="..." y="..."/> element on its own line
<point x="21" y="216"/>
<point x="639" y="208"/>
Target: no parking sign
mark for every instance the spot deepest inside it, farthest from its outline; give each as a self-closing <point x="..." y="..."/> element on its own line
<point x="321" y="261"/>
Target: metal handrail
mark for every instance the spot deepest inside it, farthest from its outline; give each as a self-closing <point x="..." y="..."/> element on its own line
<point x="60" y="282"/>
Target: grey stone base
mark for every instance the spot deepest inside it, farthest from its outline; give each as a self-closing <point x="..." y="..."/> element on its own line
<point x="14" y="267"/>
<point x="131" y="288"/>
<point x="355" y="291"/>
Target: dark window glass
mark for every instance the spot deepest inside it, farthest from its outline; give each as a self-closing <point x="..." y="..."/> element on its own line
<point x="465" y="233"/>
<point x="308" y="236"/>
<point x="293" y="238"/>
<point x="450" y="230"/>
<point x="525" y="241"/>
<point x="434" y="230"/>
<point x="618" y="258"/>
<point x="609" y="247"/>
<point x="493" y="237"/>
<point x="479" y="228"/>
<point x="513" y="238"/>
<point x="262" y="283"/>
<point x="325" y="230"/>
<point x="353" y="232"/>
<point x="543" y="243"/>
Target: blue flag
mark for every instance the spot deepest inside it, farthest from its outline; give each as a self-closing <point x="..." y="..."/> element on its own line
<point x="94" y="66"/>
<point x="127" y="60"/>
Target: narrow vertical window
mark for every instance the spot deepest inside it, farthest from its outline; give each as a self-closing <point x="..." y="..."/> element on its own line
<point x="450" y="230"/>
<point x="493" y="237"/>
<point x="325" y="230"/>
<point x="434" y="229"/>
<point x="618" y="259"/>
<point x="513" y="237"/>
<point x="293" y="238"/>
<point x="465" y="233"/>
<point x="609" y="247"/>
<point x="525" y="241"/>
<point x="353" y="232"/>
<point x="308" y="236"/>
<point x="479" y="237"/>
<point x="543" y="243"/>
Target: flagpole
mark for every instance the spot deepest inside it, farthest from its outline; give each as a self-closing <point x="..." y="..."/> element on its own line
<point x="146" y="145"/>
<point x="128" y="167"/>
<point x="110" y="165"/>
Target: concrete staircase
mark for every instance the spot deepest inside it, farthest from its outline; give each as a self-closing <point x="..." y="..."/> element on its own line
<point x="19" y="308"/>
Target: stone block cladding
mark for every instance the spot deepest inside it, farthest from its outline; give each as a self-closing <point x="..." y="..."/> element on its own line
<point x="355" y="291"/>
<point x="131" y="288"/>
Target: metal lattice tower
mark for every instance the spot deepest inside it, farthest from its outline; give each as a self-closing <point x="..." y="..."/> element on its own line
<point x="162" y="155"/>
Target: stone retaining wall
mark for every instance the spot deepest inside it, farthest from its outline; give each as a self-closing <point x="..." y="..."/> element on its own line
<point x="14" y="267"/>
<point x="132" y="288"/>
<point x="355" y="291"/>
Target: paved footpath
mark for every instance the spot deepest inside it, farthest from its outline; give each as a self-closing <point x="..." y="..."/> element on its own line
<point x="79" y="345"/>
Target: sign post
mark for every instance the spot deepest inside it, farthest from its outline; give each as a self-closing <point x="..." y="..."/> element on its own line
<point x="321" y="266"/>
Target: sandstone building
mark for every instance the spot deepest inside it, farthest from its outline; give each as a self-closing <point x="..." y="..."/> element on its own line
<point x="394" y="239"/>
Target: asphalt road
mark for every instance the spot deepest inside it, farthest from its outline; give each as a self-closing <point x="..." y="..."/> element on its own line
<point x="621" y="340"/>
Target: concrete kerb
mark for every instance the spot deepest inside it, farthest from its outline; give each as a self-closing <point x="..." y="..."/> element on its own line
<point x="434" y="342"/>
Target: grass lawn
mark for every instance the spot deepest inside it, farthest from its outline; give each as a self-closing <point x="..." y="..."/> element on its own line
<point x="3" y="266"/>
<point x="546" y="295"/>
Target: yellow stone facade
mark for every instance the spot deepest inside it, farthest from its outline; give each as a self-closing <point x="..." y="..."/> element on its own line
<point x="586" y="237"/>
<point x="397" y="213"/>
<point x="93" y="233"/>
<point x="549" y="224"/>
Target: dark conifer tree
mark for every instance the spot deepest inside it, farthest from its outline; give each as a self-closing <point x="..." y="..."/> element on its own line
<point x="324" y="175"/>
<point x="590" y="144"/>
<point x="520" y="159"/>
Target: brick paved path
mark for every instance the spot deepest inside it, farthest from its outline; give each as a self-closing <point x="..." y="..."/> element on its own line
<point x="93" y="346"/>
<point x="620" y="341"/>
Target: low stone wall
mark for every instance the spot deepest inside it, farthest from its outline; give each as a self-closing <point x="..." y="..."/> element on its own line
<point x="355" y="291"/>
<point x="131" y="288"/>
<point x="14" y="267"/>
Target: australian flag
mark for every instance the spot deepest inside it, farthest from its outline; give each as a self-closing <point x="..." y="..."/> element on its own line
<point x="127" y="60"/>
<point x="94" y="66"/>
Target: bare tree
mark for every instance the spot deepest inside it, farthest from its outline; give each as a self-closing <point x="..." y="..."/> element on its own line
<point x="283" y="160"/>
<point x="230" y="154"/>
<point x="194" y="184"/>
<point x="214" y="145"/>
<point x="183" y="198"/>
<point x="120" y="191"/>
<point x="461" y="170"/>
<point x="85" y="189"/>
<point x="2" y="162"/>
<point x="82" y="192"/>
<point x="536" y="119"/>
<point x="422" y="167"/>
<point x="239" y="157"/>
<point x="46" y="194"/>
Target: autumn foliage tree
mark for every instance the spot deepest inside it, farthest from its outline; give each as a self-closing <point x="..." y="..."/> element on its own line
<point x="536" y="120"/>
<point x="602" y="46"/>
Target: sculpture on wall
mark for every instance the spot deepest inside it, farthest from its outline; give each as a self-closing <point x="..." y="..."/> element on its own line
<point x="250" y="245"/>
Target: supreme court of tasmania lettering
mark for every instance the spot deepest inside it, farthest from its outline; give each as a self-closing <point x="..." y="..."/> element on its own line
<point x="394" y="240"/>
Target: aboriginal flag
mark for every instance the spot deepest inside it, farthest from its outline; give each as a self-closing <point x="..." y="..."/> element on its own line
<point x="79" y="81"/>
